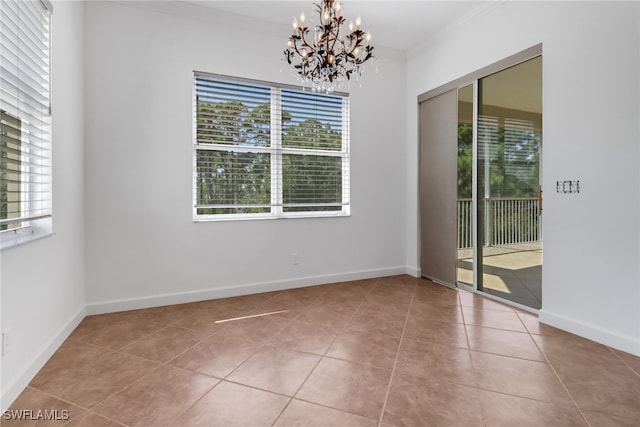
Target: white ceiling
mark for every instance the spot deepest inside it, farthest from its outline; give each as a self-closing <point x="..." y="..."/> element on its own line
<point x="397" y="24"/>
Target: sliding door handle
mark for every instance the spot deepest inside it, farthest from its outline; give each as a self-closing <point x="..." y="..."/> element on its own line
<point x="539" y="200"/>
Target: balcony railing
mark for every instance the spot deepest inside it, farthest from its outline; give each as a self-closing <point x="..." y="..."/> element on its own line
<point x="506" y="221"/>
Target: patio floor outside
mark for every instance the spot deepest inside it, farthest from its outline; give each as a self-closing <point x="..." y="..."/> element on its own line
<point x="512" y="272"/>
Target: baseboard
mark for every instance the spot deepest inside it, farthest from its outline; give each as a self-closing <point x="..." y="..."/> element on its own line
<point x="231" y="291"/>
<point x="10" y="393"/>
<point x="413" y="271"/>
<point x="591" y="332"/>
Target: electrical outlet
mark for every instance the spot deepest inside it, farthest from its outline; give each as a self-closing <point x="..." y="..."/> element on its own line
<point x="295" y="258"/>
<point x="568" y="187"/>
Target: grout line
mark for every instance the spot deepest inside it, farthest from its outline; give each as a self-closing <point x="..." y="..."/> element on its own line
<point x="483" y="416"/>
<point x="564" y="386"/>
<point x="85" y="409"/>
<point x="322" y="356"/>
<point x="395" y="361"/>
<point x="217" y="330"/>
<point x="261" y="346"/>
<point x="623" y="361"/>
<point x="286" y="322"/>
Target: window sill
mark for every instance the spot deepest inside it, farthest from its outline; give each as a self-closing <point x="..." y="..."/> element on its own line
<point x="253" y="217"/>
<point x="21" y="236"/>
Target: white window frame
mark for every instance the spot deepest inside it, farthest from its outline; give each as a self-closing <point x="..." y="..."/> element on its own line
<point x="276" y="152"/>
<point x="36" y="194"/>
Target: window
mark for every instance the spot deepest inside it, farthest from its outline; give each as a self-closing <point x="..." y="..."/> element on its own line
<point x="268" y="151"/>
<point x="25" y="120"/>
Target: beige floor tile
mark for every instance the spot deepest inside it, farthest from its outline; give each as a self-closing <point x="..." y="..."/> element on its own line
<point x="347" y="386"/>
<point x="233" y="405"/>
<point x="93" y="420"/>
<point x="400" y="279"/>
<point x="507" y="320"/>
<point x="304" y="336"/>
<point x="436" y="331"/>
<point x="202" y="321"/>
<point x="352" y="292"/>
<point x="436" y="295"/>
<point x="114" y="331"/>
<point x="290" y="299"/>
<point x="365" y="349"/>
<point x="34" y="408"/>
<point x="479" y="302"/>
<point x="165" y="344"/>
<point x="386" y="304"/>
<point x="77" y="374"/>
<point x="376" y="322"/>
<point x="222" y="307"/>
<point x="168" y="314"/>
<point x="396" y="292"/>
<point x="217" y="356"/>
<point x="342" y="298"/>
<point x="501" y="410"/>
<point x="157" y="397"/>
<point x="364" y="285"/>
<point x="279" y="370"/>
<point x="333" y="316"/>
<point x="255" y="329"/>
<point x="440" y="362"/>
<point x="534" y="326"/>
<point x="519" y="377"/>
<point x="438" y="313"/>
<point x="607" y="388"/>
<point x="505" y="343"/>
<point x="569" y="349"/>
<point x="69" y="357"/>
<point x="417" y="401"/>
<point x="602" y="420"/>
<point x="305" y="414"/>
<point x="632" y="361"/>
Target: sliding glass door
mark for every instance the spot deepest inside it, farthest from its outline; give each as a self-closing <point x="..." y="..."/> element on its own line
<point x="509" y="148"/>
<point x="479" y="184"/>
<point x="499" y="199"/>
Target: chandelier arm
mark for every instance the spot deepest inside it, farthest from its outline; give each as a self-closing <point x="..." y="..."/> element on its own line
<point x="303" y="44"/>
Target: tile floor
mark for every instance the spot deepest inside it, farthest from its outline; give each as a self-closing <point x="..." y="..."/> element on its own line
<point x="394" y="351"/>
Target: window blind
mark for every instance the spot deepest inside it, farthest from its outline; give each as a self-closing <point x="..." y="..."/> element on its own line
<point x="266" y="150"/>
<point x="25" y="117"/>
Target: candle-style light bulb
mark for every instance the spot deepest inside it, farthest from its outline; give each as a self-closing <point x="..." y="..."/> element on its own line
<point x="350" y="26"/>
<point x="295" y="24"/>
<point x="302" y="17"/>
<point x="368" y="37"/>
<point x="358" y="21"/>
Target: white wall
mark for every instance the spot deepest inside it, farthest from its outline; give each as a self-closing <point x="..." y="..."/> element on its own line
<point x="591" y="98"/>
<point x="142" y="247"/>
<point x="42" y="282"/>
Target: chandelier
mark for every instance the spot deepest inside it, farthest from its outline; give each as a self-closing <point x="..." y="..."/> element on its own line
<point x="325" y="59"/>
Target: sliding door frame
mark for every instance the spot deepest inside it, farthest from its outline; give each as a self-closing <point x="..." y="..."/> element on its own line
<point x="468" y="79"/>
